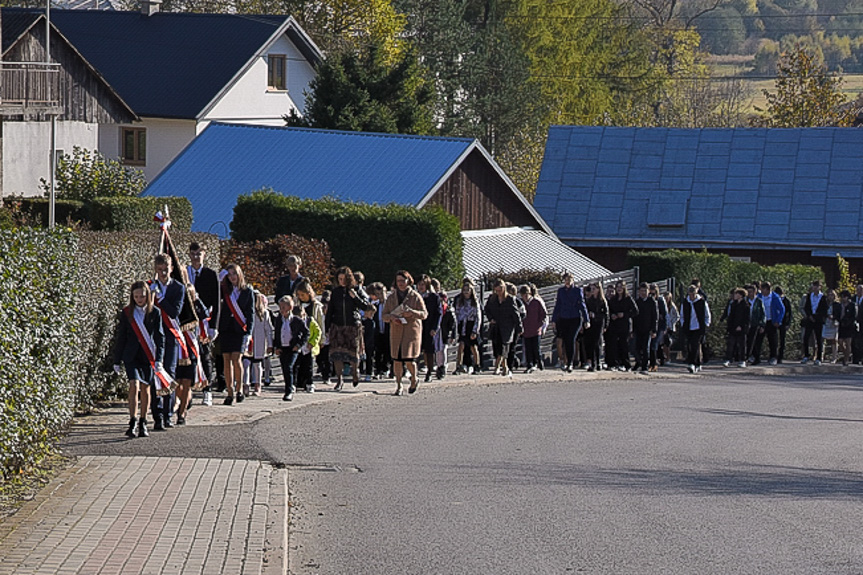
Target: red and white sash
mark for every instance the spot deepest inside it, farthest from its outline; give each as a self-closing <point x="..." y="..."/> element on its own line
<point x="238" y="314"/>
<point x="173" y="325"/>
<point x="192" y="344"/>
<point x="165" y="384"/>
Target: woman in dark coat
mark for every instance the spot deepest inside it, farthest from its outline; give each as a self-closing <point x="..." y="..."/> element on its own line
<point x="504" y="325"/>
<point x="236" y="324"/>
<point x="621" y="310"/>
<point x="847" y="324"/>
<point x="129" y="353"/>
<point x="431" y="323"/>
<point x="597" y="311"/>
<point x="344" y="325"/>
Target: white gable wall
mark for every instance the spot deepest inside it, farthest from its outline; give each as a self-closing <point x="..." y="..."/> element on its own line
<point x="165" y="140"/>
<point x="26" y="152"/>
<point x="248" y="100"/>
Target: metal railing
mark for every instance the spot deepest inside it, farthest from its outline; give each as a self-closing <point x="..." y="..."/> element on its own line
<point x="29" y="85"/>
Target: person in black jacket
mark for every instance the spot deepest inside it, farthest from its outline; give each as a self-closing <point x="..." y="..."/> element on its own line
<point x="737" y="315"/>
<point x="206" y="282"/>
<point x="815" y="310"/>
<point x="431" y="324"/>
<point x="139" y="370"/>
<point x="597" y="311"/>
<point x="504" y="325"/>
<point x="694" y="321"/>
<point x="645" y="324"/>
<point x="290" y="334"/>
<point x="656" y="355"/>
<point x="344" y="325"/>
<point x="621" y="311"/>
<point x="847" y="324"/>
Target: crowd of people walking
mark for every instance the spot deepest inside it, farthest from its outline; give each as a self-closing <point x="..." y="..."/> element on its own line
<point x="402" y="331"/>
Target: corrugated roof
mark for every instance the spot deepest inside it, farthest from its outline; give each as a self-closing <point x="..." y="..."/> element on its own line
<point x="793" y="187"/>
<point x="170" y="64"/>
<point x="228" y="160"/>
<point x="514" y="249"/>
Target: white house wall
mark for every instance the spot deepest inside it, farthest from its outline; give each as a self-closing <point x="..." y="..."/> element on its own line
<point x="249" y="101"/>
<point x="165" y="140"/>
<point x="26" y="155"/>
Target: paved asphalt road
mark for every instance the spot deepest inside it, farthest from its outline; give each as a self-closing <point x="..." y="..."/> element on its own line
<point x="694" y="475"/>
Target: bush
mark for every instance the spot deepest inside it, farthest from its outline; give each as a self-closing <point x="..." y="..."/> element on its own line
<point x="108" y="263"/>
<point x="379" y="240"/>
<point x="38" y="329"/>
<point x="35" y="210"/>
<point x="264" y="262"/>
<point x="129" y="214"/>
<point x="85" y="175"/>
<point x="719" y="274"/>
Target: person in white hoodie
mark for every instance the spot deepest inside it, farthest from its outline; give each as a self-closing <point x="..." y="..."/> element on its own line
<point x="694" y="321"/>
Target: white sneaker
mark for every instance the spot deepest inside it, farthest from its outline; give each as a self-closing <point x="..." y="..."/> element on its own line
<point x="773" y="361"/>
<point x="741" y="364"/>
<point x="698" y="369"/>
<point x="691" y="368"/>
<point x="817" y="362"/>
<point x="726" y="363"/>
<point x="208" y="399"/>
<point x="310" y="389"/>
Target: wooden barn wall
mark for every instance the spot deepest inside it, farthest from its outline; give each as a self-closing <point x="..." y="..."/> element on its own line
<point x="83" y="96"/>
<point x="480" y="198"/>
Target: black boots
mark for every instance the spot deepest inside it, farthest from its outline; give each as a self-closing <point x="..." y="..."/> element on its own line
<point x="132" y="432"/>
<point x="142" y="428"/>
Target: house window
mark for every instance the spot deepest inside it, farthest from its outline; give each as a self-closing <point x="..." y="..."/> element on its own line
<point x="134" y="146"/>
<point x="276" y="66"/>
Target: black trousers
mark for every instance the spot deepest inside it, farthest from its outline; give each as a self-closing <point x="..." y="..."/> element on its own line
<point x="736" y="348"/>
<point x="809" y="329"/>
<point x="324" y="362"/>
<point x="772" y="333"/>
<point x="382" y="352"/>
<point x="642" y="349"/>
<point x="617" y="348"/>
<point x="593" y="344"/>
<point x="531" y="352"/>
<point x="752" y="344"/>
<point x="304" y="371"/>
<point x="694" y="339"/>
<point x="857" y="347"/>
<point x="783" y="333"/>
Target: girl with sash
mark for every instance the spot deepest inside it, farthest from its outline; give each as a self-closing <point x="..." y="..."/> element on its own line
<point x="140" y="349"/>
<point x="192" y="373"/>
<point x="236" y="325"/>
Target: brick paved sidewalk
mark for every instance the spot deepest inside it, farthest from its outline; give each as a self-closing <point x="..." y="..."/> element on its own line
<point x="213" y="516"/>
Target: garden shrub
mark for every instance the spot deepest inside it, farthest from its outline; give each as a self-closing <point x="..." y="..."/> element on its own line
<point x="38" y="329"/>
<point x="136" y="213"/>
<point x="378" y="240"/>
<point x="264" y="262"/>
<point x="35" y="209"/>
<point x="719" y="274"/>
<point x="539" y="278"/>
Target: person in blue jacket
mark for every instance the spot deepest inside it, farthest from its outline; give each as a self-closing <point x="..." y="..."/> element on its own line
<point x="774" y="312"/>
<point x="569" y="317"/>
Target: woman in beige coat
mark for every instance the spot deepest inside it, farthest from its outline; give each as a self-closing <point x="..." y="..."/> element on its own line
<point x="404" y="310"/>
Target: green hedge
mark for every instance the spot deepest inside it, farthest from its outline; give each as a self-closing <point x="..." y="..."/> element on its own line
<point x="35" y="209"/>
<point x="108" y="263"/>
<point x="719" y="274"/>
<point x="378" y="240"/>
<point x="127" y="214"/>
<point x="39" y="336"/>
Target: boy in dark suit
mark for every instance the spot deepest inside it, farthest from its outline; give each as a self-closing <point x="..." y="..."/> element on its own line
<point x="290" y="334"/>
<point x="206" y="282"/>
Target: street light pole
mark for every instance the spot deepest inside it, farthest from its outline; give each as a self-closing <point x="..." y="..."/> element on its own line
<point x="53" y="154"/>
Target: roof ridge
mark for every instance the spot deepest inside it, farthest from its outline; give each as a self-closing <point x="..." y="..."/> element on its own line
<point x="348" y="132"/>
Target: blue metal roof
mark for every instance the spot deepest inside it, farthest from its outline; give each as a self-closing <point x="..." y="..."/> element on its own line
<point x="227" y="160"/>
<point x="663" y="187"/>
<point x="170" y="64"/>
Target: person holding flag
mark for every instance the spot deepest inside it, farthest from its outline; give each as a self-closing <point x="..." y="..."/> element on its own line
<point x="169" y="295"/>
<point x="140" y="348"/>
<point x="236" y="325"/>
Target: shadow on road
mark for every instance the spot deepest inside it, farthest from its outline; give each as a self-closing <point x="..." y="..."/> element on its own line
<point x="738" y="413"/>
<point x="756" y="480"/>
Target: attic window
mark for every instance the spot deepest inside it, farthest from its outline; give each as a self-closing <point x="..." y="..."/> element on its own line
<point x="667" y="211"/>
<point x="276" y="68"/>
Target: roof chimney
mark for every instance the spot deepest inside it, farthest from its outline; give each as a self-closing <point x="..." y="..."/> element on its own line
<point x="150" y="7"/>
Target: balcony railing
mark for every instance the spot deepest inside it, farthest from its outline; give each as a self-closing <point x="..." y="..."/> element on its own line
<point x="29" y="86"/>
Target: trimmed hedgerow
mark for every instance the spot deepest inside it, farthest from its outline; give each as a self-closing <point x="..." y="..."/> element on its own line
<point x="38" y="333"/>
<point x="128" y="213"/>
<point x="719" y="274"/>
<point x="264" y="262"/>
<point x="35" y="209"/>
<point x="379" y="240"/>
<point x="108" y="263"/>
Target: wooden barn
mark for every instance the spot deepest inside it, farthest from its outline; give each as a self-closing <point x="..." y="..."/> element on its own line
<point x="33" y="92"/>
<point x="228" y="160"/>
